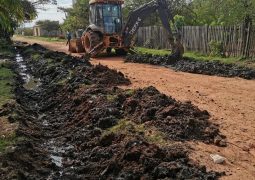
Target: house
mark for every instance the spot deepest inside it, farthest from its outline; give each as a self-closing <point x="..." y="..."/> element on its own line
<point x="39" y="31"/>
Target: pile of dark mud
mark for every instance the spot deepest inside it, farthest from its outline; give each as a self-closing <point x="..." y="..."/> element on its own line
<point x="78" y="125"/>
<point x="194" y="66"/>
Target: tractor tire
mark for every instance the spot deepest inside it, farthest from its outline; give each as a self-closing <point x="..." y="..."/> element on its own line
<point x="90" y="40"/>
<point x="121" y="52"/>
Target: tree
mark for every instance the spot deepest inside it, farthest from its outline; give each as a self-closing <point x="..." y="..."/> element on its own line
<point x="179" y="21"/>
<point x="176" y="7"/>
<point x="223" y="12"/>
<point x="131" y="5"/>
<point x="48" y="25"/>
<point x="14" y="12"/>
<point x="77" y="17"/>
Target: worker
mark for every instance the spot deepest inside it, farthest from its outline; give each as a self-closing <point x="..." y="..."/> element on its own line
<point x="68" y="37"/>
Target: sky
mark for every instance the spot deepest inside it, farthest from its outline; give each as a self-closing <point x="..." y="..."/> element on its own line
<point x="51" y="12"/>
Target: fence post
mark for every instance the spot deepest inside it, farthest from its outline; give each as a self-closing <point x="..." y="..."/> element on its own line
<point x="247" y="42"/>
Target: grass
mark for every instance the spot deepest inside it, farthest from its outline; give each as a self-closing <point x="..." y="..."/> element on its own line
<point x="36" y="56"/>
<point x="6" y="82"/>
<point x="111" y="98"/>
<point x="6" y="74"/>
<point x="7" y="141"/>
<point x="129" y="92"/>
<point x="130" y="128"/>
<point x="7" y="135"/>
<point x="160" y="52"/>
<point x="199" y="56"/>
<point x="48" y="39"/>
<point x="64" y="80"/>
<point x="5" y="49"/>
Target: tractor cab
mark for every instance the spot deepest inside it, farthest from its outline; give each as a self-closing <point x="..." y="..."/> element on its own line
<point x="106" y="15"/>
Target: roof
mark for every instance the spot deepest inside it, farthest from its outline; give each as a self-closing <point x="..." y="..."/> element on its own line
<point x="106" y="1"/>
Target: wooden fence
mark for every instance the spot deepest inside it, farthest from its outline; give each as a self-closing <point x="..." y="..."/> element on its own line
<point x="237" y="41"/>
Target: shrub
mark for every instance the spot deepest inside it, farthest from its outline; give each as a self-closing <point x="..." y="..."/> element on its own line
<point x="216" y="48"/>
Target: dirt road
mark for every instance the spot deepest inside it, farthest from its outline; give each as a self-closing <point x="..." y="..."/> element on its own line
<point x="230" y="101"/>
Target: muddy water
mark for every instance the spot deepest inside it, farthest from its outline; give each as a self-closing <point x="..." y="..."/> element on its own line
<point x="30" y="83"/>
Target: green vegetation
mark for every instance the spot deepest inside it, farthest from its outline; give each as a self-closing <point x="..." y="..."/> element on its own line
<point x="111" y="98"/>
<point x="197" y="56"/>
<point x="5" y="49"/>
<point x="36" y="56"/>
<point x="6" y="81"/>
<point x="15" y="12"/>
<point x="202" y="12"/>
<point x="64" y="80"/>
<point x="123" y="126"/>
<point x="222" y="12"/>
<point x="48" y="39"/>
<point x="7" y="141"/>
<point x="129" y="92"/>
<point x="6" y="74"/>
<point x="77" y="17"/>
<point x="160" y="52"/>
<point x="128" y="127"/>
<point x="48" y="25"/>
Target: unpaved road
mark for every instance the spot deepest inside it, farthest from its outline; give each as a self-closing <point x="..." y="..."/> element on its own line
<point x="230" y="101"/>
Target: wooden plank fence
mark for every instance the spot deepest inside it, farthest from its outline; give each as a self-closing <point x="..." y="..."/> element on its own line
<point x="237" y="41"/>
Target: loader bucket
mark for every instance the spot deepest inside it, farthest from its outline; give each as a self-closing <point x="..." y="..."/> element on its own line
<point x="75" y="46"/>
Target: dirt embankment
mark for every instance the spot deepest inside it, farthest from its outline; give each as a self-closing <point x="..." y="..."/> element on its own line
<point x="230" y="101"/>
<point x="77" y="125"/>
<point x="194" y="66"/>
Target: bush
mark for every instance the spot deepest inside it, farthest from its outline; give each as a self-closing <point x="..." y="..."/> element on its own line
<point x="216" y="48"/>
<point x="179" y="21"/>
<point x="149" y="43"/>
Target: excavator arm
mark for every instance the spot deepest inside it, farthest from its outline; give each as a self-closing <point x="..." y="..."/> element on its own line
<point x="137" y="16"/>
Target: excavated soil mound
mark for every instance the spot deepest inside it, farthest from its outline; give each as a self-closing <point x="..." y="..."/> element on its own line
<point x="179" y="121"/>
<point x="193" y="66"/>
<point x="77" y="125"/>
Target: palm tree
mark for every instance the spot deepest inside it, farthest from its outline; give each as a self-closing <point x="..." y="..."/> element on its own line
<point x="13" y="12"/>
<point x="10" y="10"/>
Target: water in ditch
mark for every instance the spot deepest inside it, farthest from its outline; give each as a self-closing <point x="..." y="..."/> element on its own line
<point x="30" y="82"/>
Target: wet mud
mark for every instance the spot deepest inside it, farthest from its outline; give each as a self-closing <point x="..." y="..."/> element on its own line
<point x="213" y="68"/>
<point x="78" y="125"/>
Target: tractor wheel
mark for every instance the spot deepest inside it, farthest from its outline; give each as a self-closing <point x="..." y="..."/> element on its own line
<point x="90" y="40"/>
<point x="121" y="52"/>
